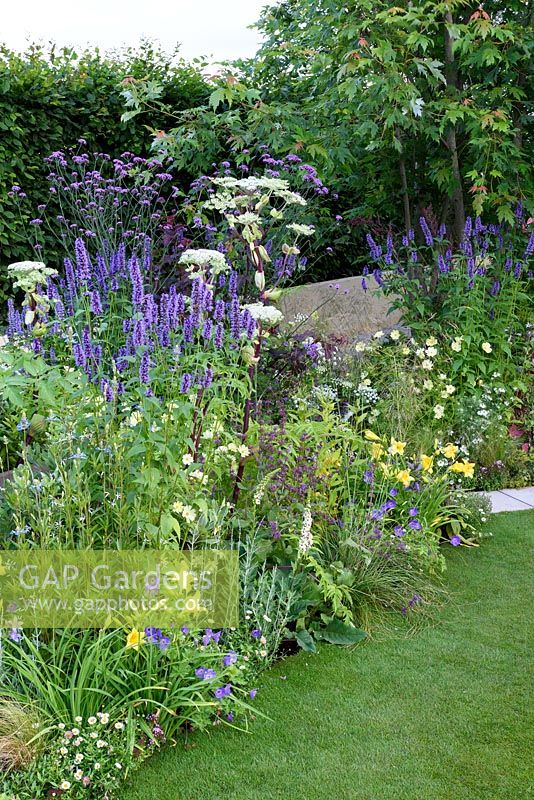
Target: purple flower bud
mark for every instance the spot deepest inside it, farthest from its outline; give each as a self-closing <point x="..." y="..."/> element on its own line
<point x="427" y="233"/>
<point x="144" y="368"/>
<point x="186" y="384"/>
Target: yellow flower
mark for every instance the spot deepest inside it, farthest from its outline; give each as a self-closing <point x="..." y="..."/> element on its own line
<point x="431" y="342"/>
<point x="403" y="475"/>
<point x="371" y="437"/>
<point x="134" y="639"/>
<point x="376" y="451"/>
<point x="397" y="448"/>
<point x="450" y="451"/>
<point x="427" y="462"/>
<point x="466" y="468"/>
<point x="487" y="347"/>
<point x="386" y="469"/>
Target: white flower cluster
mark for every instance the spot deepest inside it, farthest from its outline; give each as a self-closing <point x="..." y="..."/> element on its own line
<point x="306" y="538"/>
<point x="205" y="259"/>
<point x="367" y="393"/>
<point x="325" y="392"/>
<point x="302" y="230"/>
<point x="269" y="315"/>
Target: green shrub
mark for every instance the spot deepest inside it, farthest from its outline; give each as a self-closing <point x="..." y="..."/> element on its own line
<point x="51" y="99"/>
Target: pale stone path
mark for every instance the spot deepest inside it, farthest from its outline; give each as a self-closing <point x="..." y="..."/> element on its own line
<point x="511" y="499"/>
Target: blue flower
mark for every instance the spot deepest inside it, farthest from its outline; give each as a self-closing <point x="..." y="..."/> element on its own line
<point x="455" y="541"/>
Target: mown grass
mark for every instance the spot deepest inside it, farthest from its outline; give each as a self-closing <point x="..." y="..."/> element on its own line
<point x="444" y="714"/>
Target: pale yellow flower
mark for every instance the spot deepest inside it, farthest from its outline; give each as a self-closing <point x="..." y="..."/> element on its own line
<point x="487" y="347"/>
<point x="450" y="450"/>
<point x="465" y="467"/>
<point x="431" y="341"/>
<point x="377" y="451"/>
<point x="397" y="448"/>
<point x="403" y="475"/>
<point x="427" y="462"/>
<point x="371" y="437"/>
<point x="395" y="335"/>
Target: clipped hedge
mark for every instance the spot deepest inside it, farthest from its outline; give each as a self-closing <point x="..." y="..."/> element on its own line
<point x="50" y="99"/>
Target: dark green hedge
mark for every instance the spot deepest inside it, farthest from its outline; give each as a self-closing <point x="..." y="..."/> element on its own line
<point x="50" y="99"/>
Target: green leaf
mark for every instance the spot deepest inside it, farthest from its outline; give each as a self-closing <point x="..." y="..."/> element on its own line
<point x="338" y="632"/>
<point x="305" y="640"/>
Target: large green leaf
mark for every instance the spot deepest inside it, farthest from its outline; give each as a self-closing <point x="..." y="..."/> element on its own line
<point x="337" y="632"/>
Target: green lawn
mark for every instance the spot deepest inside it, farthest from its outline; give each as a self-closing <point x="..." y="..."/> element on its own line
<point x="444" y="714"/>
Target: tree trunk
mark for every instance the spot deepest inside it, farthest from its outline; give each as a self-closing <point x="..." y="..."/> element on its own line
<point x="451" y="74"/>
<point x="404" y="185"/>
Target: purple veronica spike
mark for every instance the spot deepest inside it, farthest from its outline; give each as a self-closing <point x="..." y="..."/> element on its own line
<point x="232" y="282"/>
<point x="468" y="228"/>
<point x="139" y="333"/>
<point x="219" y="336"/>
<point x="187" y="330"/>
<point x="138" y="291"/>
<point x="207" y="380"/>
<point x="186" y="384"/>
<point x="374" y="248"/>
<point x="427" y="233"/>
<point x="96" y="303"/>
<point x="164" y="336"/>
<point x="442" y="265"/>
<point x="207" y="330"/>
<point x="144" y="368"/>
<point x="530" y="246"/>
<point x="235" y="321"/>
<point x="83" y="262"/>
<point x="218" y="314"/>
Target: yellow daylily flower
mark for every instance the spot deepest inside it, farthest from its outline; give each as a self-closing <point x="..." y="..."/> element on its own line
<point x="371" y="437"/>
<point x="397" y="448"/>
<point x="403" y="475"/>
<point x="386" y="469"/>
<point x="134" y="639"/>
<point x="450" y="450"/>
<point x="464" y="467"/>
<point x="377" y="451"/>
<point x="427" y="462"/>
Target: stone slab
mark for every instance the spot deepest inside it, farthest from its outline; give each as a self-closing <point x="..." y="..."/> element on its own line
<point x="525" y="495"/>
<point x="340" y="308"/>
<point x="501" y="501"/>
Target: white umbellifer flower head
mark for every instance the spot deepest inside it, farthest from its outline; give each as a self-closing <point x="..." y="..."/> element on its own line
<point x="361" y="347"/>
<point x="306" y="538"/>
<point x="439" y="412"/>
<point x="293" y="198"/>
<point x="248" y="218"/>
<point x="205" y="259"/>
<point x="27" y="275"/>
<point x="302" y="230"/>
<point x="269" y="315"/>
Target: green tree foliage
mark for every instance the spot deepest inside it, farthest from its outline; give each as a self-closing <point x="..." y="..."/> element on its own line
<point x="421" y="107"/>
<point x="50" y="99"/>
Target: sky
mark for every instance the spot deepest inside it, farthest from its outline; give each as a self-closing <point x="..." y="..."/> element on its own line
<point x="215" y="28"/>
